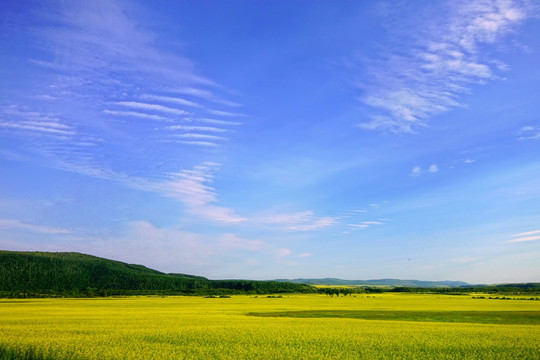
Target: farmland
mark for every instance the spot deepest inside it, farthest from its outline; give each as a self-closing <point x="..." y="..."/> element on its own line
<point x="260" y="327"/>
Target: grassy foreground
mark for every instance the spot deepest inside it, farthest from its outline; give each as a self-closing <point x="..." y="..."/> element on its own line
<point x="220" y="328"/>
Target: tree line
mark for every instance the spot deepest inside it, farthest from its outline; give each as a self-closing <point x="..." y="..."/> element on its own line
<point x="29" y="274"/>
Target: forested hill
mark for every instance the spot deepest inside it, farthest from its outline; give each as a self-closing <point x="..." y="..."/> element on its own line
<point x="75" y="274"/>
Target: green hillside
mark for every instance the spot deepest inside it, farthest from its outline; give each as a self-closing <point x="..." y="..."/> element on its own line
<point x="75" y="274"/>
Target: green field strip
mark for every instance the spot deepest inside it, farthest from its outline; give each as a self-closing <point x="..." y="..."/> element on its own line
<point x="477" y="317"/>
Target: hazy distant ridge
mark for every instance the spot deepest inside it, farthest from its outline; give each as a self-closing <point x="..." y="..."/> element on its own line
<point x="379" y="282"/>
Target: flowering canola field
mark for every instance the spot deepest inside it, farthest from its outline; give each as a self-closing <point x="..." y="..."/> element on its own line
<point x="220" y="328"/>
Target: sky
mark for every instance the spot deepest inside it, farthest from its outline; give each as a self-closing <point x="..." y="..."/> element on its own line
<point x="275" y="139"/>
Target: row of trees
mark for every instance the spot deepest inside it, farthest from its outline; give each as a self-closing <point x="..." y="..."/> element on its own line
<point x="515" y="289"/>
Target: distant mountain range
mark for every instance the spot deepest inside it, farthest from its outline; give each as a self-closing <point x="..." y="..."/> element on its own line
<point x="378" y="282"/>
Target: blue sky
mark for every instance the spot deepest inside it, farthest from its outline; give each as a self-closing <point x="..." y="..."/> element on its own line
<point x="277" y="139"/>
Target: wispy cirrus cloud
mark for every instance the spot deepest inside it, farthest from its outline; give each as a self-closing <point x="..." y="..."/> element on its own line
<point x="197" y="128"/>
<point x="299" y="221"/>
<point x="171" y="99"/>
<point x="33" y="123"/>
<point x="135" y="114"/>
<point x="91" y="37"/>
<point x="151" y="107"/>
<point x="198" y="143"/>
<point x="364" y="224"/>
<point x="224" y="113"/>
<point x="21" y="225"/>
<point x="199" y="136"/>
<point x="416" y="83"/>
<point x="525" y="236"/>
<point x="206" y="95"/>
<point x="529" y="133"/>
<point x="193" y="188"/>
<point x="217" y="121"/>
<point x="102" y="68"/>
<point x="38" y="128"/>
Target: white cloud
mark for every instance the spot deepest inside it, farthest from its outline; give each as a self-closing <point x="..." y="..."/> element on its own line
<point x="33" y="123"/>
<point x="175" y="100"/>
<point x="199" y="136"/>
<point x="427" y="77"/>
<point x="219" y="122"/>
<point x="469" y="161"/>
<point x="196" y="128"/>
<point x="529" y="133"/>
<point x="197" y="92"/>
<point x="526" y="236"/>
<point x="205" y="94"/>
<point x="151" y="107"/>
<point x="106" y="66"/>
<point x="534" y="232"/>
<point x="192" y="188"/>
<point x="372" y="222"/>
<point x="103" y="64"/>
<point x="302" y="255"/>
<point x="136" y="114"/>
<point x="316" y="224"/>
<point x="300" y="221"/>
<point x="45" y="97"/>
<point x="101" y="35"/>
<point x="416" y="171"/>
<point x="283" y="252"/>
<point x="199" y="143"/>
<point x="225" y="113"/>
<point x="21" y="225"/>
<point x="364" y="224"/>
<point x="36" y="128"/>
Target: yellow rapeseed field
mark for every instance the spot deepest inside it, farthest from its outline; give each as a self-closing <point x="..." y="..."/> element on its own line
<point x="219" y="328"/>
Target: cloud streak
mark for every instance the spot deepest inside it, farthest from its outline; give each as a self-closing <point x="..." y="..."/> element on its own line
<point x="21" y="225"/>
<point x="35" y="123"/>
<point x="123" y="102"/>
<point x="135" y="114"/>
<point x="197" y="128"/>
<point x="414" y="84"/>
<point x="151" y="107"/>
<point x="193" y="188"/>
<point x="529" y="133"/>
<point x="170" y="99"/>
<point x="299" y="221"/>
<point x="526" y="236"/>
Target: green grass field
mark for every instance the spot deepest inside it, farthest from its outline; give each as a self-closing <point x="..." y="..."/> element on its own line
<point x="385" y="326"/>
